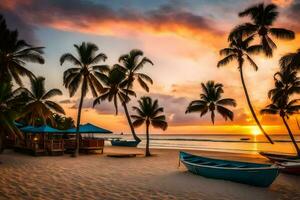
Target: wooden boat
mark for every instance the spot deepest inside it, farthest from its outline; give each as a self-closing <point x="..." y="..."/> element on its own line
<point x="255" y="174"/>
<point x="124" y="143"/>
<point x="281" y="157"/>
<point x="245" y="139"/>
<point x="290" y="168"/>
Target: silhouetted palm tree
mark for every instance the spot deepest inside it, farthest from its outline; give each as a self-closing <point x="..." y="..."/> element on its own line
<point x="9" y="103"/>
<point x="291" y="61"/>
<point x="263" y="18"/>
<point x="85" y="73"/>
<point x="38" y="105"/>
<point x="211" y="101"/>
<point x="284" y="108"/>
<point x="240" y="50"/>
<point x="14" y="54"/>
<point x="286" y="84"/>
<point x="62" y="122"/>
<point x="115" y="89"/>
<point x="131" y="64"/>
<point x="150" y="113"/>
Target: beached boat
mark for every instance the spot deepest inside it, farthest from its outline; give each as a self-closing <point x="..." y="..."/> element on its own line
<point x="245" y="139"/>
<point x="291" y="168"/>
<point x="281" y="157"/>
<point x="124" y="143"/>
<point x="255" y="174"/>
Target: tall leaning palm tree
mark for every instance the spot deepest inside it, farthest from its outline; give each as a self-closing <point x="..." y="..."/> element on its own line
<point x="284" y="109"/>
<point x="150" y="113"/>
<point x="287" y="83"/>
<point x="262" y="17"/>
<point x="85" y="74"/>
<point x="115" y="89"/>
<point x="131" y="64"/>
<point x="239" y="50"/>
<point x="14" y="54"/>
<point x="211" y="101"/>
<point x="38" y="105"/>
<point x="291" y="61"/>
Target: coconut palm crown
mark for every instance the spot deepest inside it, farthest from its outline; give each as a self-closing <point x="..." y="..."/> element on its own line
<point x="262" y="19"/>
<point x="115" y="89"/>
<point x="290" y="60"/>
<point x="14" y="54"/>
<point x="38" y="106"/>
<point x="211" y="101"/>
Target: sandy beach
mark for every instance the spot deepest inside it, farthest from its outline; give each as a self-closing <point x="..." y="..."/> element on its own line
<point x="100" y="177"/>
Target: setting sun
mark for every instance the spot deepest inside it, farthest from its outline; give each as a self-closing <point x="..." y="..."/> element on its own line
<point x="255" y="131"/>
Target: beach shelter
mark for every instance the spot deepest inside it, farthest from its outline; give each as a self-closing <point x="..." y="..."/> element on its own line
<point x="40" y="129"/>
<point x="89" y="128"/>
<point x="40" y="140"/>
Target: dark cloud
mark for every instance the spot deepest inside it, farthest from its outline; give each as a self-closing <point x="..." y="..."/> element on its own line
<point x="293" y="14"/>
<point x="67" y="101"/>
<point x="82" y="13"/>
<point x="104" y="107"/>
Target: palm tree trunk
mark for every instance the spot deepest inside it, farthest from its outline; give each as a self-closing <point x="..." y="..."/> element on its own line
<point x="76" y="152"/>
<point x="250" y="105"/>
<point x="147" y="141"/>
<point x="291" y="136"/>
<point x="1" y="143"/>
<point x="136" y="138"/>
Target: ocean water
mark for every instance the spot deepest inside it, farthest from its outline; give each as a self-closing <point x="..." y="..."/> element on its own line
<point x="221" y="142"/>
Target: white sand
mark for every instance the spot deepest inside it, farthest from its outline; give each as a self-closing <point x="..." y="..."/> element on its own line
<point x="102" y="177"/>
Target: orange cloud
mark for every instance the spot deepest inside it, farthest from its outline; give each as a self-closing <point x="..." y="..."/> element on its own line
<point x="283" y="3"/>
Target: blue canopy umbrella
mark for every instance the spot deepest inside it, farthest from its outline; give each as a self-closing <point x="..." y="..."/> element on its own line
<point x="88" y="128"/>
<point x="40" y="129"/>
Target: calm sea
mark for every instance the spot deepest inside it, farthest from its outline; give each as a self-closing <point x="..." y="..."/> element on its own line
<point x="225" y="143"/>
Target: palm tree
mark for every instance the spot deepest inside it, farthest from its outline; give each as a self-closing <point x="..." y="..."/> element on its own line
<point x="211" y="101"/>
<point x="38" y="105"/>
<point x="62" y="122"/>
<point x="150" y="113"/>
<point x="286" y="84"/>
<point x="239" y="49"/>
<point x="14" y="54"/>
<point x="263" y="18"/>
<point x="284" y="108"/>
<point x="85" y="73"/>
<point x="131" y="64"/>
<point x="291" y="60"/>
<point x="9" y="103"/>
<point x="115" y="89"/>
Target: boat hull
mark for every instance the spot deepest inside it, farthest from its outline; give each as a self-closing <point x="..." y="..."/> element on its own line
<point x="258" y="176"/>
<point x="280" y="157"/>
<point x="124" y="143"/>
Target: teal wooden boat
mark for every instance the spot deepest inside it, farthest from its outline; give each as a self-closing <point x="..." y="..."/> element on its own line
<point x="124" y="143"/>
<point x="261" y="175"/>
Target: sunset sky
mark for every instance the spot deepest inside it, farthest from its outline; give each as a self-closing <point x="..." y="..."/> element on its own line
<point x="182" y="38"/>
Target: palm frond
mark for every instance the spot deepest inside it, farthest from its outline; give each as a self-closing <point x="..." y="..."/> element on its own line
<point x="226" y="60"/>
<point x="52" y="93"/>
<point x="282" y="33"/>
